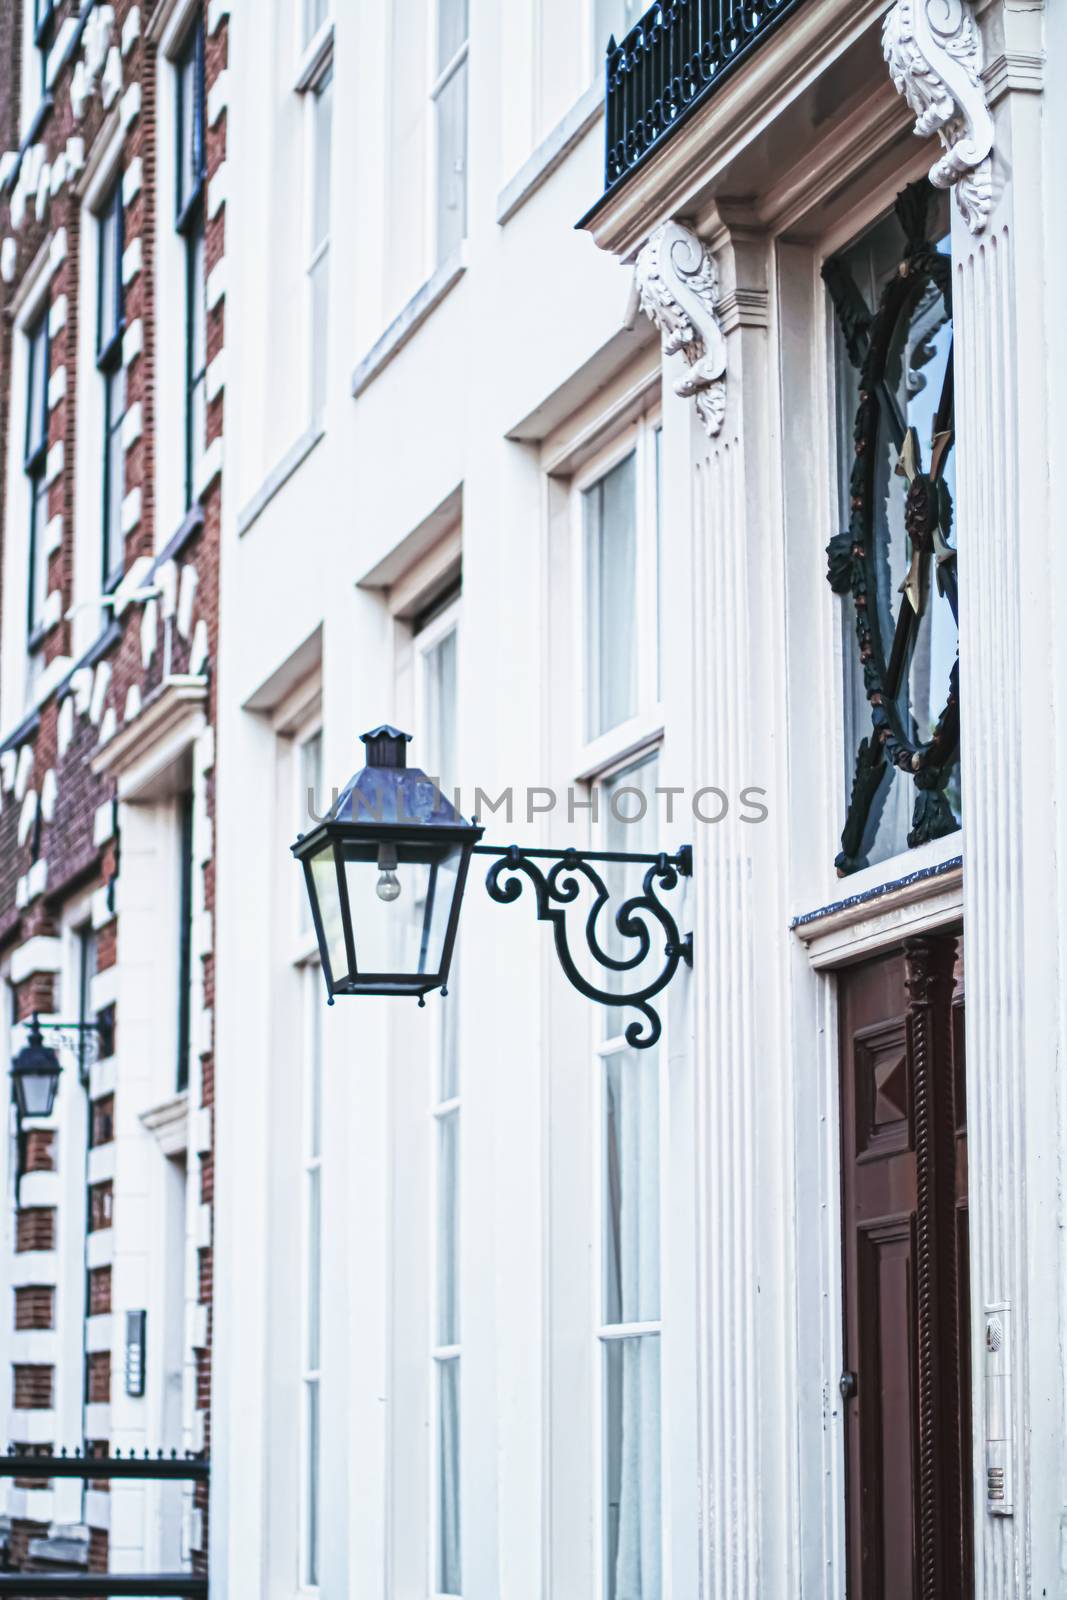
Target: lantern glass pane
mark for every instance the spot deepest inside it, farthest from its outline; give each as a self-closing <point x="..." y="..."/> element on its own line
<point x="37" y="1094"/>
<point x="403" y="937"/>
<point x="328" y="895"/>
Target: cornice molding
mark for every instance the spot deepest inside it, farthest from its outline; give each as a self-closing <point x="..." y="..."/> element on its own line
<point x="934" y="52"/>
<point x="170" y="720"/>
<point x="678" y="289"/>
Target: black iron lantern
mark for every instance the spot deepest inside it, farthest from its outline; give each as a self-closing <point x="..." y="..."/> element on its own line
<point x="35" y="1076"/>
<point x="385" y="872"/>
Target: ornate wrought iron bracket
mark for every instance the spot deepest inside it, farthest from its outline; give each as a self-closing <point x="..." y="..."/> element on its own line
<point x="89" y="1041"/>
<point x="559" y="888"/>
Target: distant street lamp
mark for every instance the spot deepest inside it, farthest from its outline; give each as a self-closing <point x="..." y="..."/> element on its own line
<point x="35" y="1076"/>
<point x="36" y="1070"/>
<point x="385" y="872"/>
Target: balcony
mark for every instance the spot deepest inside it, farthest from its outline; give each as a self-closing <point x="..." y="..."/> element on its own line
<point x="672" y="62"/>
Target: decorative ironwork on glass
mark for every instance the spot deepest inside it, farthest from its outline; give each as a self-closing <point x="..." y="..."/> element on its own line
<point x="897" y="557"/>
<point x="674" y="58"/>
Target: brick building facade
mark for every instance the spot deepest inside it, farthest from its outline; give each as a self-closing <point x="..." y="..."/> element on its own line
<point x="112" y="235"/>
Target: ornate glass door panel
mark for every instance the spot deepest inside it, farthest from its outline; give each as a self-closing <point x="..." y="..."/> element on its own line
<point x="892" y="292"/>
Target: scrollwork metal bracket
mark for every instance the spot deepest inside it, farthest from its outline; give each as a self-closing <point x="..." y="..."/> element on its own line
<point x="559" y="887"/>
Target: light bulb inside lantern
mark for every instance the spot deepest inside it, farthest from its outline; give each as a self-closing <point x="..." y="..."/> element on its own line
<point x="388" y="886"/>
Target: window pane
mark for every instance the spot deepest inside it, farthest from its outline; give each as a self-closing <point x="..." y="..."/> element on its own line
<point x="196" y="359"/>
<point x="631" y="1187"/>
<point x="315" y="1064"/>
<point x="114" y="475"/>
<point x="917" y="368"/>
<point x="38" y="560"/>
<point x="632" y="1537"/>
<point x="315" y="14"/>
<point x="447" y="1229"/>
<point x="190" y="122"/>
<point x="320" y="333"/>
<point x="107" y="319"/>
<point x="451" y="106"/>
<point x="37" y="390"/>
<point x="314" y="1266"/>
<point x="449" y="1573"/>
<point x="630" y="822"/>
<point x="311" y="1492"/>
<point x="440" y="667"/>
<point x="311" y="806"/>
<point x="610" y="514"/>
<point x="451" y="29"/>
<point x="323" y="118"/>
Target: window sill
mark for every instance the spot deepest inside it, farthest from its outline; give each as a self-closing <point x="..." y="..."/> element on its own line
<point x="278" y="477"/>
<point x="550" y="153"/>
<point x="314" y="59"/>
<point x="190" y="525"/>
<point x="929" y="896"/>
<point x="407" y="324"/>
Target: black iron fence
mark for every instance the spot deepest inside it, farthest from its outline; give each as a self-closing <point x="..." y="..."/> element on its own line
<point x="27" y="1465"/>
<point x="671" y="62"/>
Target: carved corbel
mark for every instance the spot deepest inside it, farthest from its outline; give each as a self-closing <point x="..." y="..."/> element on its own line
<point x="934" y="52"/>
<point x="678" y="288"/>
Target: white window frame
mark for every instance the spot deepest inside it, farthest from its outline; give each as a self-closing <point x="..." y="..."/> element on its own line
<point x="603" y="1332"/>
<point x="439" y="81"/>
<point x="315" y="66"/>
<point x="18" y="679"/>
<point x="305" y="945"/>
<point x="592" y="756"/>
<point x="595" y="761"/>
<point x="311" y="1164"/>
<point x="423" y="641"/>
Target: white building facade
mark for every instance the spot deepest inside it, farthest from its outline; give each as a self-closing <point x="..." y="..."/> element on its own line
<point x="506" y="1306"/>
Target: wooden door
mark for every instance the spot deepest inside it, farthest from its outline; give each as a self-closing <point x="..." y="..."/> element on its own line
<point x="906" y="1385"/>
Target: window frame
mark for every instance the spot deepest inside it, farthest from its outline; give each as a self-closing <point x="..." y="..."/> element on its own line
<point x="190" y="222"/>
<point x="44" y="34"/>
<point x="109" y="364"/>
<point x="442" y="621"/>
<point x="595" y="753"/>
<point x="604" y="1332"/>
<point x="183" y="1040"/>
<point x="316" y="76"/>
<point x="35" y="471"/>
<point x="309" y="1537"/>
<point x="440" y="78"/>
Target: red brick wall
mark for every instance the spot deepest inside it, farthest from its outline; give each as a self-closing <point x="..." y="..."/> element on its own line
<point x="35" y="1228"/>
<point x="99" y="1291"/>
<point x="33" y="1387"/>
<point x="34" y="1307"/>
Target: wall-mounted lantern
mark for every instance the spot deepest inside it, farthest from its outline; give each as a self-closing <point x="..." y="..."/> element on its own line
<point x="35" y="1074"/>
<point x="385" y="872"/>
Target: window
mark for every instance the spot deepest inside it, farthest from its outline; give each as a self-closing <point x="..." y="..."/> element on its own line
<point x="321" y="111"/>
<point x="314" y="14"/>
<point x="35" y="462"/>
<point x="895" y="566"/>
<point x="449" y="96"/>
<point x="185" y="936"/>
<point x="311" y="1431"/>
<point x="44" y="33"/>
<point x="189" y="221"/>
<point x="613" y="19"/>
<point x="620" y="532"/>
<point x="311" y="806"/>
<point x="437" y="656"/>
<point x="110" y="321"/>
<point x="629" y="1331"/>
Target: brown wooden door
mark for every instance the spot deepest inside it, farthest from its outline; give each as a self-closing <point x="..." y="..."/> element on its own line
<point x="906" y="1385"/>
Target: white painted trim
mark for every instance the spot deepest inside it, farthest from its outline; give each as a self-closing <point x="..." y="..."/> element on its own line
<point x="550" y="153"/>
<point x="422" y="303"/>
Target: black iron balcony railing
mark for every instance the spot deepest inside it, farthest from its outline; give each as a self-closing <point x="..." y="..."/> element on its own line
<point x="670" y="63"/>
<point x="27" y="1463"/>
